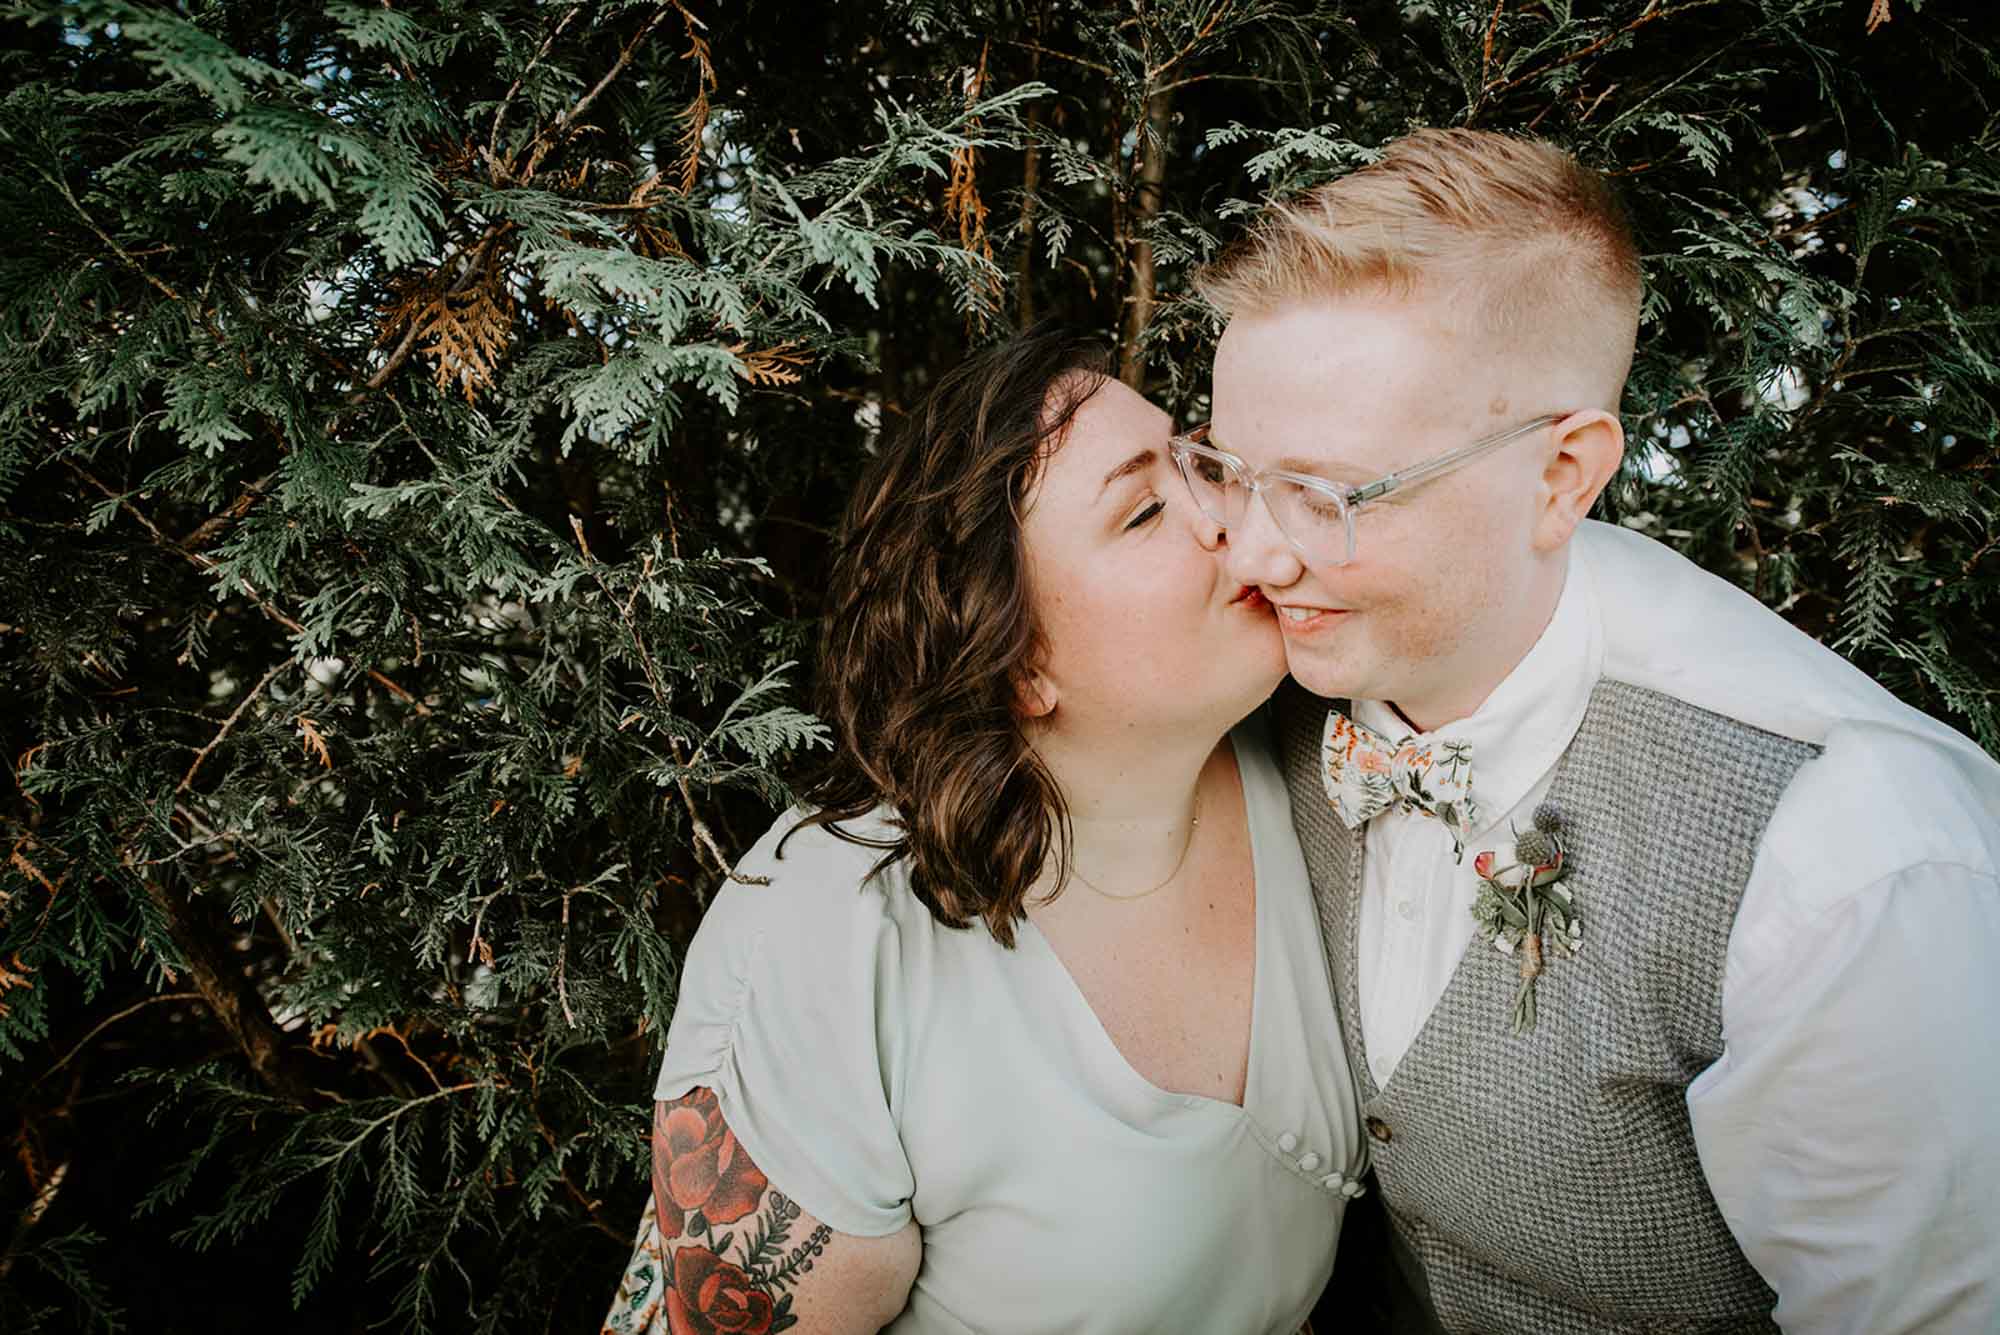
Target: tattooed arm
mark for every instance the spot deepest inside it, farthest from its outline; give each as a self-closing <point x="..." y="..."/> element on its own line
<point x="742" y="1256"/>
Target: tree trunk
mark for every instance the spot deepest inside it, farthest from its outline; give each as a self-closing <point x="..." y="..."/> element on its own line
<point x="1031" y="178"/>
<point x="232" y="997"/>
<point x="1149" y="179"/>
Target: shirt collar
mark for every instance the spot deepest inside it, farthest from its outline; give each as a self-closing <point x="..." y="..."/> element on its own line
<point x="1522" y="729"/>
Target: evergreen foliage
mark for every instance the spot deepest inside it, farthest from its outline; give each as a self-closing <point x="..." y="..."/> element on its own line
<point x="420" y="426"/>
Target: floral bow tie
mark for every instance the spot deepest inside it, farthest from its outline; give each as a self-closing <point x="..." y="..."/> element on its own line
<point x="1366" y="774"/>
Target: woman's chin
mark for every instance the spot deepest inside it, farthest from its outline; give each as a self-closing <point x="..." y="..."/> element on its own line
<point x="1265" y="683"/>
<point x="1249" y="686"/>
<point x="1265" y="657"/>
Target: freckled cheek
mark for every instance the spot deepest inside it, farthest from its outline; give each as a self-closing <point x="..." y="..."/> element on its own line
<point x="1426" y="622"/>
<point x="1095" y="635"/>
<point x="1392" y="569"/>
<point x="1451" y="586"/>
<point x="1412" y="590"/>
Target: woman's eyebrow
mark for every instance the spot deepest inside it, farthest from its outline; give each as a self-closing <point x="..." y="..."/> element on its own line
<point x="1138" y="463"/>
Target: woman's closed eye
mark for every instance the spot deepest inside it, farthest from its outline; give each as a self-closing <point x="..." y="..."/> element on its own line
<point x="1147" y="514"/>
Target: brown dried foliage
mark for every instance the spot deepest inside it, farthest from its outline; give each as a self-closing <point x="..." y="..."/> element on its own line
<point x="651" y="239"/>
<point x="464" y="333"/>
<point x="696" y="116"/>
<point x="962" y="203"/>
<point x="12" y="975"/>
<point x="314" y="741"/>
<point x="770" y="366"/>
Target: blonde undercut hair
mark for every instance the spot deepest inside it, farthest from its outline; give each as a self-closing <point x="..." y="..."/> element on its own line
<point x="1528" y="249"/>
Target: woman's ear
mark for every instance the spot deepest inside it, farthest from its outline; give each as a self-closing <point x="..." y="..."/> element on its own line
<point x="1589" y="446"/>
<point x="1034" y="694"/>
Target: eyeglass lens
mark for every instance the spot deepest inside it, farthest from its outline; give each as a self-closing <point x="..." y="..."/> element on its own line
<point x="1312" y="521"/>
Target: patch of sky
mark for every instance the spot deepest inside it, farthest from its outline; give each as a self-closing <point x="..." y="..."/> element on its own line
<point x="322" y="299"/>
<point x="323" y="674"/>
<point x="733" y="163"/>
<point x="1807" y="204"/>
<point x="482" y="990"/>
<point x="868" y="416"/>
<point x="1654" y="458"/>
<point x="1785" y="388"/>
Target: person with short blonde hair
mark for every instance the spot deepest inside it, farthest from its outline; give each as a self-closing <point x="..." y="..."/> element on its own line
<point x="1665" y="943"/>
<point x="1514" y="237"/>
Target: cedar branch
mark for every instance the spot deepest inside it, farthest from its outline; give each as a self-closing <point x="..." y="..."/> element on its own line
<point x="703" y="836"/>
<point x="697" y="112"/>
<point x="473" y="260"/>
<point x="1652" y="14"/>
<point x="513" y="91"/>
<point x="1031" y="181"/>
<point x="107" y="1022"/>
<point x="1039" y="49"/>
<point x="44" y="1197"/>
<point x="204" y="563"/>
<point x="228" y="724"/>
<point x="549" y="136"/>
<point x="205" y="532"/>
<point x="1486" y="52"/>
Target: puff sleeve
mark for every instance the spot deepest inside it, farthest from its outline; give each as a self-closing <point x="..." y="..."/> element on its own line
<point x="789" y="1005"/>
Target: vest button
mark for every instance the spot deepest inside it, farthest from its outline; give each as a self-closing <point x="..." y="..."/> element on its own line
<point x="1379" y="1129"/>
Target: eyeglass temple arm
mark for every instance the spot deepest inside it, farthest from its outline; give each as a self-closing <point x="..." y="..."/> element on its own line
<point x="1446" y="462"/>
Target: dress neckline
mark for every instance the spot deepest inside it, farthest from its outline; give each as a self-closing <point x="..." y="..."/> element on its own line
<point x="1109" y="1054"/>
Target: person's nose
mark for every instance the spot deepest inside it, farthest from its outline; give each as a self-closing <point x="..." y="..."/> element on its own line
<point x="1209" y="532"/>
<point x="1257" y="552"/>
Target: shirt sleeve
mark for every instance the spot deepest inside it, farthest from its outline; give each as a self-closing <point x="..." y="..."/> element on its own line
<point x="1847" y="1131"/>
<point x="786" y="999"/>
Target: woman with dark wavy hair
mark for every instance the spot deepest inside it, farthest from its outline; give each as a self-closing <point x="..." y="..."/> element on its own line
<point x="1022" y="1024"/>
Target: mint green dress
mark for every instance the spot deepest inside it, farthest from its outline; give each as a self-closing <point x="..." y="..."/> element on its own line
<point x="880" y="1067"/>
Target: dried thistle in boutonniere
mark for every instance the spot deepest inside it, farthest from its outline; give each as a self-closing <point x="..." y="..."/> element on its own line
<point x="1524" y="907"/>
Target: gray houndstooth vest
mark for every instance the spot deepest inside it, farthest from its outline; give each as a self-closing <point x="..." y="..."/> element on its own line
<point x="1548" y="1182"/>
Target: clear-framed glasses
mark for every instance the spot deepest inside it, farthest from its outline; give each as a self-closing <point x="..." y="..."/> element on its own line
<point x="1315" y="516"/>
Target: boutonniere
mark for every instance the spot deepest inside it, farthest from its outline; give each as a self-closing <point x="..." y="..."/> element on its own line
<point x="1524" y="908"/>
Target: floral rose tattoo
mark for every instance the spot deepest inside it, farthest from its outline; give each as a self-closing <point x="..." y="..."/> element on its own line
<point x="698" y="1167"/>
<point x="723" y="1283"/>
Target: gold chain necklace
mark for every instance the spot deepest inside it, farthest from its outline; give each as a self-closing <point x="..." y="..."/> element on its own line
<point x="1180" y="862"/>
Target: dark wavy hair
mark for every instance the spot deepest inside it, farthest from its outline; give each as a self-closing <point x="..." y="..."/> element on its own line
<point x="929" y="632"/>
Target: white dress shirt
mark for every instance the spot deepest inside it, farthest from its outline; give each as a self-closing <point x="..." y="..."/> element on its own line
<point x="1847" y="1132"/>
